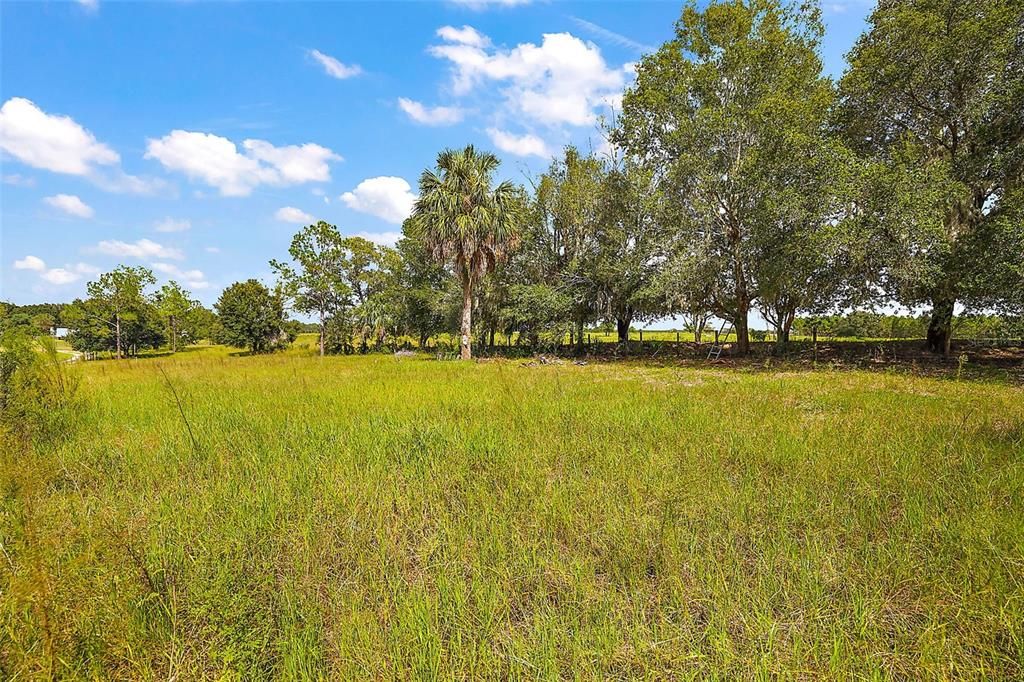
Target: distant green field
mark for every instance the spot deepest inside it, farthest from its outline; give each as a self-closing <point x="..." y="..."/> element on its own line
<point x="374" y="517"/>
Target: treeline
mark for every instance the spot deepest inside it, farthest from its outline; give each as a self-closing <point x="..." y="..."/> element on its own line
<point x="870" y="325"/>
<point x="738" y="178"/>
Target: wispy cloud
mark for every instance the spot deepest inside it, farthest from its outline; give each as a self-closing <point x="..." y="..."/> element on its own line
<point x="333" y="68"/>
<point x="612" y="36"/>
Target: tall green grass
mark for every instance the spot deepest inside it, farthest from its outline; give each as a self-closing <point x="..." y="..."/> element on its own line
<point x="373" y="517"/>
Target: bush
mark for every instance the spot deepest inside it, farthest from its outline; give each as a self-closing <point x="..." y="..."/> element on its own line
<point x="38" y="389"/>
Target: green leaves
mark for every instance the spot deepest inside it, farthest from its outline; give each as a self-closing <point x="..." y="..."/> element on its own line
<point x="461" y="218"/>
<point x="250" y="316"/>
<point x="934" y="93"/>
<point x="730" y="118"/>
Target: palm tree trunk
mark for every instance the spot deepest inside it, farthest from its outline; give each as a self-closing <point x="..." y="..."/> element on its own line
<point x="467" y="317"/>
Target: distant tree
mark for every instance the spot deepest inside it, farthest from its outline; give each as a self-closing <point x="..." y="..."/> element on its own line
<point x="934" y="92"/>
<point x="631" y="242"/>
<point x="422" y="281"/>
<point x="552" y="285"/>
<point x="250" y="316"/>
<point x="43" y="323"/>
<point x="362" y="270"/>
<point x="316" y="283"/>
<point x="199" y="323"/>
<point x="115" y="299"/>
<point x="466" y="222"/>
<point x="174" y="305"/>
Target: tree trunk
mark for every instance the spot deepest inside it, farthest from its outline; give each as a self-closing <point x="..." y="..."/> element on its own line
<point x="742" y="308"/>
<point x="579" y="336"/>
<point x="467" y="318"/>
<point x="174" y="336"/>
<point x="321" y="333"/>
<point x="742" y="330"/>
<point x="622" y="327"/>
<point x="492" y="337"/>
<point x="787" y="326"/>
<point x="117" y="331"/>
<point x="940" y="329"/>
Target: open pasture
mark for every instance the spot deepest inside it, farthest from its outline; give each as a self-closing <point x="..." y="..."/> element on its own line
<point x="374" y="517"/>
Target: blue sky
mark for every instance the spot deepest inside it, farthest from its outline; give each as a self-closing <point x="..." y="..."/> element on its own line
<point x="195" y="138"/>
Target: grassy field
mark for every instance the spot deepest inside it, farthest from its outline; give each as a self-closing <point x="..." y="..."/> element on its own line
<point x="374" y="517"/>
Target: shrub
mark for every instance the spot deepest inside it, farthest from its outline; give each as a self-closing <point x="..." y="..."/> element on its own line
<point x="38" y="388"/>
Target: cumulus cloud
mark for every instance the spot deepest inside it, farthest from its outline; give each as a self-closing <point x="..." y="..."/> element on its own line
<point x="193" y="279"/>
<point x="218" y="162"/>
<point x="58" y="276"/>
<point x="334" y="68"/>
<point x="388" y="198"/>
<point x="431" y="116"/>
<point x="172" y="225"/>
<point x="30" y="263"/>
<point x="562" y="81"/>
<point x="290" y="214"/>
<point x="520" y="145"/>
<point x="142" y="249"/>
<point x="50" y="142"/>
<point x="59" y="144"/>
<point x="71" y="205"/>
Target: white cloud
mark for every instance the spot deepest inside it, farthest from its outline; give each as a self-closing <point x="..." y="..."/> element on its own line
<point x="65" y="275"/>
<point x="563" y="81"/>
<point x="467" y="35"/>
<point x="193" y="279"/>
<point x="141" y="249"/>
<point x="334" y="68"/>
<point x="290" y="214"/>
<point x="212" y="249"/>
<point x="381" y="238"/>
<point x="86" y="269"/>
<point x="217" y="161"/>
<point x="54" y="143"/>
<point x="172" y="225"/>
<point x="30" y="263"/>
<point x="388" y="198"/>
<point x="71" y="205"/>
<point x="90" y="5"/>
<point x="19" y="180"/>
<point x="59" y="144"/>
<point x="520" y="145"/>
<point x="431" y="116"/>
<point x="484" y="4"/>
<point x="59" y="276"/>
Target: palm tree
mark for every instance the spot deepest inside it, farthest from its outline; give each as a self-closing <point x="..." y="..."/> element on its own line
<point x="462" y="220"/>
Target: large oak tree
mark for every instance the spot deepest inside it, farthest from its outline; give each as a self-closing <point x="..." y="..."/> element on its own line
<point x="935" y="94"/>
